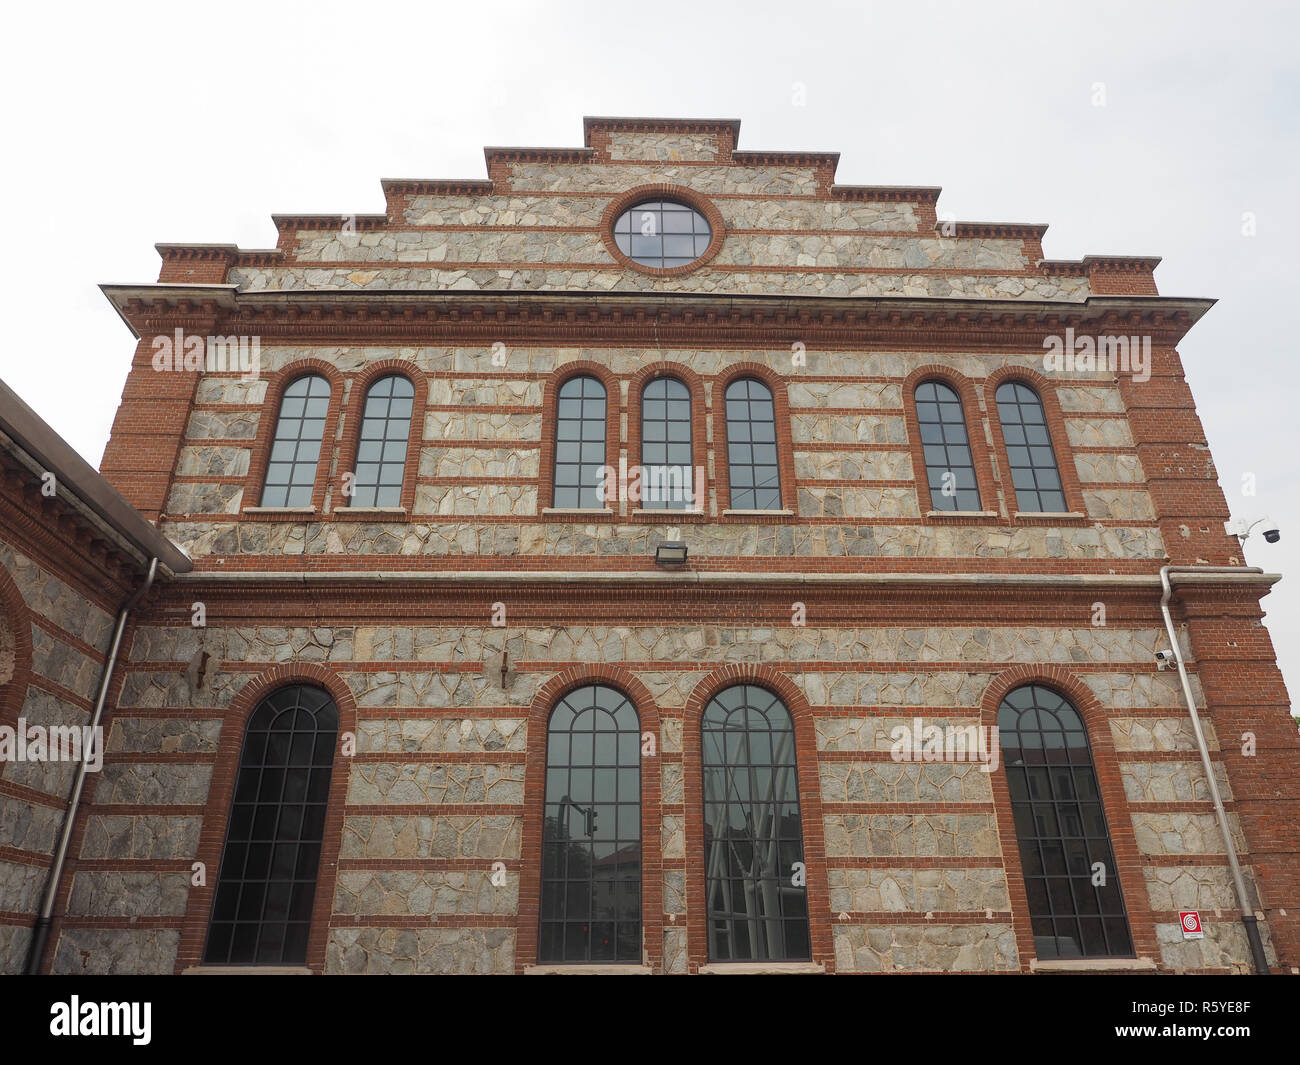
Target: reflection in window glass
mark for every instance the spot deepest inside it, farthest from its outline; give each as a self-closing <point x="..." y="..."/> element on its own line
<point x="753" y="835"/>
<point x="261" y="913"/>
<point x="591" y="835"/>
<point x="1061" y="828"/>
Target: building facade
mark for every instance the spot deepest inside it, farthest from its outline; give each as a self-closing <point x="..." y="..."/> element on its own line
<point x="655" y="555"/>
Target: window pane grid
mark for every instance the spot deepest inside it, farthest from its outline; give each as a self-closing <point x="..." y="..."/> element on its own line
<point x="295" y="448"/>
<point x="666" y="451"/>
<point x="753" y="835"/>
<point x="1061" y="828"/>
<point x="579" y="443"/>
<point x="754" y="472"/>
<point x="662" y="234"/>
<point x="261" y="911"/>
<point x="381" y="446"/>
<point x="946" y="445"/>
<point x="591" y="835"/>
<point x="1034" y="472"/>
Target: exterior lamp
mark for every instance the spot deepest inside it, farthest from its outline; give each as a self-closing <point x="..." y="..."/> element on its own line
<point x="670" y="553"/>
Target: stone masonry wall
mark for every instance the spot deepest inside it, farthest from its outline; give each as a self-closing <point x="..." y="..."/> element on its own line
<point x="435" y="792"/>
<point x="69" y="636"/>
<point x="478" y="478"/>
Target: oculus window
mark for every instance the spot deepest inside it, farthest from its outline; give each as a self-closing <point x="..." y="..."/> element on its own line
<point x="662" y="234"/>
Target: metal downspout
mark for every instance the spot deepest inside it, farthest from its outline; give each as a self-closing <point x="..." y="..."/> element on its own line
<point x="1238" y="881"/>
<point x="41" y="929"/>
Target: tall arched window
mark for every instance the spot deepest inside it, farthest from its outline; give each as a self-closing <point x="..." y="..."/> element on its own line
<point x="753" y="836"/>
<point x="666" y="456"/>
<point x="262" y="910"/>
<point x="1029" y="449"/>
<point x="754" y="472"/>
<point x="591" y="834"/>
<point x="295" y="449"/>
<point x="579" y="443"/>
<point x="949" y="466"/>
<point x="381" y="447"/>
<point x="1075" y="904"/>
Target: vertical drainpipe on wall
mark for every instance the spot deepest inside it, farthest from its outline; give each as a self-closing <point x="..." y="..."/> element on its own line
<point x="41" y="929"/>
<point x="1238" y="881"/>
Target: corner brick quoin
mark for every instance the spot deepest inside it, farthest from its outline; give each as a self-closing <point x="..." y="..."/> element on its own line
<point x="447" y="615"/>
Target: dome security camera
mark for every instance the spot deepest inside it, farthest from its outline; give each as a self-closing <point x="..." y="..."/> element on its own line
<point x="1242" y="529"/>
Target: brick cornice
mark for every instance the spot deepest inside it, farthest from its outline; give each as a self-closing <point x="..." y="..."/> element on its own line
<point x="683" y="319"/>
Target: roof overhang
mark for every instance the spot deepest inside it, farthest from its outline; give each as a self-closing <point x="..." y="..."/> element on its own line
<point x="26" y="436"/>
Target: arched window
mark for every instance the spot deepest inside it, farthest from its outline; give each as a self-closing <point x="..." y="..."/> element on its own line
<point x="1075" y="904"/>
<point x="949" y="467"/>
<point x="295" y="449"/>
<point x="754" y="473"/>
<point x="381" y="447"/>
<point x="753" y="837"/>
<point x="666" y="457"/>
<point x="579" y="443"/>
<point x="591" y="835"/>
<point x="262" y="910"/>
<point x="1029" y="449"/>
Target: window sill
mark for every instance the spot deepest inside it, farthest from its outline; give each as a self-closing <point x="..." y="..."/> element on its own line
<point x="247" y="970"/>
<point x="369" y="512"/>
<point x="763" y="968"/>
<point x="1051" y="517"/>
<point x="687" y="514"/>
<point x="758" y="513"/>
<point x="577" y="512"/>
<point x="588" y="970"/>
<point x="279" y="512"/>
<point x="960" y="515"/>
<point x="1091" y="965"/>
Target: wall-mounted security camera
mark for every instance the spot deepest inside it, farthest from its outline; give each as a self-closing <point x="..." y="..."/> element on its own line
<point x="1241" y="529"/>
<point x="1163" y="659"/>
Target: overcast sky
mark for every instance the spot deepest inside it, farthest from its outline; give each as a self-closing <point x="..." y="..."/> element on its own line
<point x="129" y="124"/>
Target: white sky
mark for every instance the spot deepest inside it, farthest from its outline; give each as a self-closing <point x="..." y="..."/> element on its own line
<point x="129" y="124"/>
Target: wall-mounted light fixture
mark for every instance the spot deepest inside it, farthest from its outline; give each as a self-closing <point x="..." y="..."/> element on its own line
<point x="670" y="553"/>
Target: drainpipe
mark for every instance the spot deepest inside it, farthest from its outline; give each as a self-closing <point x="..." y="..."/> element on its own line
<point x="41" y="929"/>
<point x="1238" y="881"/>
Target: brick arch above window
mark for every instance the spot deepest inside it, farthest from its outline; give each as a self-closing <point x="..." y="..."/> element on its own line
<point x="699" y="428"/>
<point x="353" y="413"/>
<point x="973" y="413"/>
<point x="15" y="648"/>
<point x="784" y="443"/>
<point x="550" y="407"/>
<point x="530" y="862"/>
<point x="1046" y="392"/>
<point x="810" y="803"/>
<point x="221" y="792"/>
<point x="270" y="417"/>
<point x="1110" y="783"/>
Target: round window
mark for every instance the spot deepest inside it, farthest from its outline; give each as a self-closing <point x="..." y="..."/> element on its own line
<point x="662" y="234"/>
